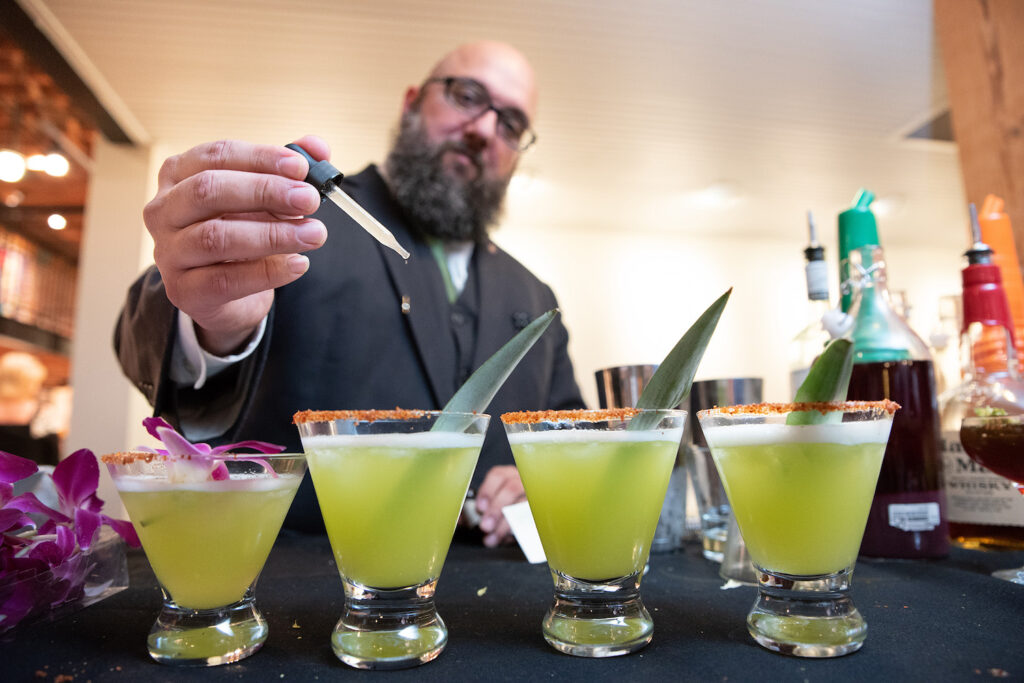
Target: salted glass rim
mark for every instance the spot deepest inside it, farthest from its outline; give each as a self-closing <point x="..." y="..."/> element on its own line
<point x="582" y="415"/>
<point x="128" y="457"/>
<point x="823" y="407"/>
<point x="393" y="415"/>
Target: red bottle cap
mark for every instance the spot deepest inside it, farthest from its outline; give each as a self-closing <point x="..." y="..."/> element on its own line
<point x="984" y="298"/>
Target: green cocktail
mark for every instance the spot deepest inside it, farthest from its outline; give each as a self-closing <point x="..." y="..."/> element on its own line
<point x="801" y="494"/>
<point x="794" y="517"/>
<point x="406" y="490"/>
<point x="390" y="489"/>
<point x="207" y="541"/>
<point x="595" y="496"/>
<point x="595" y="489"/>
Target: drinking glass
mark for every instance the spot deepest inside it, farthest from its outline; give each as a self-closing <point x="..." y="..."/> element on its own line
<point x="207" y="541"/>
<point x="801" y="495"/>
<point x="997" y="443"/>
<point x="390" y="484"/>
<point x="595" y="487"/>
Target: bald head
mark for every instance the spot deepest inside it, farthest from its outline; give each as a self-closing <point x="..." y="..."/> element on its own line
<point x="499" y="66"/>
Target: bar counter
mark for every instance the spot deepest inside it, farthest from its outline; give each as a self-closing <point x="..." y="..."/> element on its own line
<point x="927" y="621"/>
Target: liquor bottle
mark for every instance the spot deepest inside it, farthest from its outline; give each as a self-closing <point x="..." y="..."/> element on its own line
<point x="984" y="509"/>
<point x="907" y="517"/>
<point x="811" y="340"/>
<point x="997" y="232"/>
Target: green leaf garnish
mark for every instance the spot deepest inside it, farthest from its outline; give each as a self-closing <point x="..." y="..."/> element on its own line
<point x="672" y="380"/>
<point x="827" y="381"/>
<point x="475" y="395"/>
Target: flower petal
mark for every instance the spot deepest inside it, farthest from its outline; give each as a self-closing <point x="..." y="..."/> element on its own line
<point x="124" y="529"/>
<point x="152" y="423"/>
<point x="76" y="478"/>
<point x="13" y="519"/>
<point x="86" y="524"/>
<point x="27" y="502"/>
<point x="220" y="472"/>
<point x="176" y="443"/>
<point x="261" y="446"/>
<point x="15" y="468"/>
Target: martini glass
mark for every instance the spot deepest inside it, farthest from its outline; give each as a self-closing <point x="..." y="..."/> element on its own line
<point x="801" y="495"/>
<point x="207" y="541"/>
<point x="595" y="489"/>
<point x="390" y="488"/>
<point x="997" y="443"/>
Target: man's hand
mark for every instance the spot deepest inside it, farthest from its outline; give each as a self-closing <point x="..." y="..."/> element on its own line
<point x="227" y="225"/>
<point x="501" y="486"/>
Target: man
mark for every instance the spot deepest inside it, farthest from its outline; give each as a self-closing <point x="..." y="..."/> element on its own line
<point x="235" y="328"/>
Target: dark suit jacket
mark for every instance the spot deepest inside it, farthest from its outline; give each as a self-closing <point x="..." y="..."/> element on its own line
<point x="338" y="338"/>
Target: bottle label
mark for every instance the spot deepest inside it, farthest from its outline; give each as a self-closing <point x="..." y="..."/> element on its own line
<point x="914" y="517"/>
<point x="974" y="495"/>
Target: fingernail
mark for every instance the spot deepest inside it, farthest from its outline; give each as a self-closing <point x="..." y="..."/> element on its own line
<point x="292" y="166"/>
<point x="487" y="524"/>
<point x="481" y="505"/>
<point x="313" y="233"/>
<point x="298" y="264"/>
<point x="491" y="541"/>
<point x="304" y="198"/>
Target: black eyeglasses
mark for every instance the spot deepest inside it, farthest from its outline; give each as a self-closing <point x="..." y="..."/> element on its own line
<point x="470" y="97"/>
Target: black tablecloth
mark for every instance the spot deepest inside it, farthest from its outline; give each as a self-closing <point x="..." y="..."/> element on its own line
<point x="927" y="620"/>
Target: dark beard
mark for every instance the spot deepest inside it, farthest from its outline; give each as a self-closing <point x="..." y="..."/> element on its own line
<point x="437" y="204"/>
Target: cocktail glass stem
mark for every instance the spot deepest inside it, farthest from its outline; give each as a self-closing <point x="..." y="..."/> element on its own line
<point x="597" y="619"/>
<point x="806" y="616"/>
<point x="389" y="629"/>
<point x="207" y="637"/>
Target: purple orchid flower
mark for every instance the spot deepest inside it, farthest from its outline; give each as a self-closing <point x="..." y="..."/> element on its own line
<point x="201" y="456"/>
<point x="43" y="558"/>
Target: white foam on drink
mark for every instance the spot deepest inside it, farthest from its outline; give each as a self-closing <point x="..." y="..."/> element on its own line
<point x="591" y="435"/>
<point x="433" y="440"/>
<point x="241" y="482"/>
<point x="845" y="433"/>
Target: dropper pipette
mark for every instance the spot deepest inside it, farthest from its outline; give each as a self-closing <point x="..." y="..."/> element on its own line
<point x="325" y="178"/>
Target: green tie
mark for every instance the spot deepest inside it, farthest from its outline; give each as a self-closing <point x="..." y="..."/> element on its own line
<point x="437" y="249"/>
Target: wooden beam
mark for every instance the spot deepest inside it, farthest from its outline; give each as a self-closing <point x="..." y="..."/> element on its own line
<point x="982" y="44"/>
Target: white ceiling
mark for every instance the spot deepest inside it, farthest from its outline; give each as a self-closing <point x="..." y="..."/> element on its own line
<point x="788" y="105"/>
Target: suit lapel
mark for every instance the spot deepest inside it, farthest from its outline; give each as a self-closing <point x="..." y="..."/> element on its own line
<point x="418" y="285"/>
<point x="493" y="328"/>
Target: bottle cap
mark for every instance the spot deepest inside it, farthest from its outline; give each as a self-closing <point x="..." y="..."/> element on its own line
<point x="857" y="226"/>
<point x="321" y="173"/>
<point x="984" y="298"/>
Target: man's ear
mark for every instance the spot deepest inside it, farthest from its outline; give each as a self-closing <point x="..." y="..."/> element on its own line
<point x="411" y="93"/>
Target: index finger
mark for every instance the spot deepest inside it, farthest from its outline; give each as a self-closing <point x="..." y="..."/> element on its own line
<point x="233" y="155"/>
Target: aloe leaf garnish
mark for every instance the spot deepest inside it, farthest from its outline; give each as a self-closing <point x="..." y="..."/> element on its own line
<point x="827" y="382"/>
<point x="477" y="392"/>
<point x="671" y="382"/>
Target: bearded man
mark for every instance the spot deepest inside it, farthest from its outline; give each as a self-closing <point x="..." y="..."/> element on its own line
<point x="236" y="328"/>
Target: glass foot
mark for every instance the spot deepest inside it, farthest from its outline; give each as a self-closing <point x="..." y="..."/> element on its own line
<point x="603" y="619"/>
<point x="806" y="616"/>
<point x="187" y="637"/>
<point x="389" y="629"/>
<point x="1013" y="575"/>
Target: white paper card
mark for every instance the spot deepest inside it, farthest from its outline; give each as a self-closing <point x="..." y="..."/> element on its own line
<point x="520" y="519"/>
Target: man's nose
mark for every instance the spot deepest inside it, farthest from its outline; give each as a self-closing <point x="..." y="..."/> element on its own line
<point x="482" y="128"/>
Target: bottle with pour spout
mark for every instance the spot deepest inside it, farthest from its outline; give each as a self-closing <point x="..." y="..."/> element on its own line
<point x="907" y="517"/>
<point x="808" y="344"/>
<point x="985" y="510"/>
